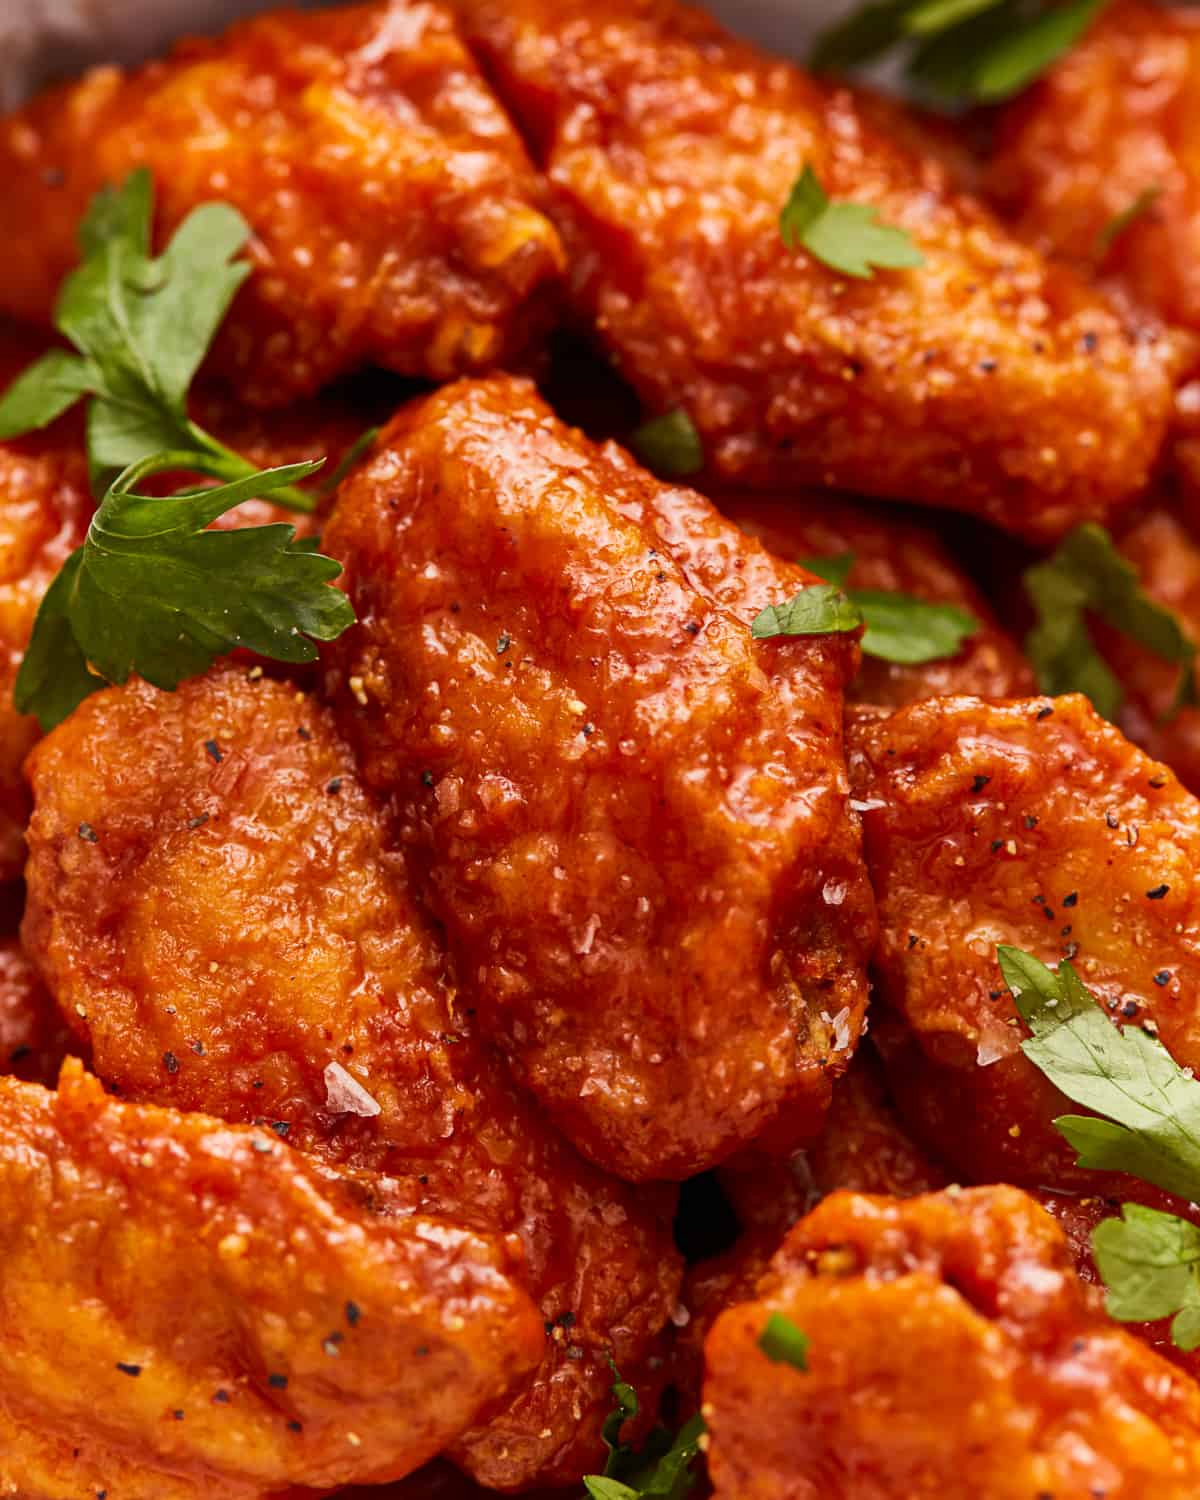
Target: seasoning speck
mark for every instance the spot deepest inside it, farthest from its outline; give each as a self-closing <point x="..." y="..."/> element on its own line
<point x="1157" y="893"/>
<point x="426" y="778"/>
<point x="198" y="821"/>
<point x="214" y="750"/>
<point x="170" y="1062"/>
<point x="332" y="1345"/>
<point x="979" y="783"/>
<point x="281" y="1128"/>
<point x="1071" y="898"/>
<point x="222" y="1397"/>
<point x="88" y="834"/>
<point x="353" y="1313"/>
<point x="335" y="786"/>
<point x="134" y="1370"/>
<point x="1162" y="977"/>
<point x="503" y="642"/>
<point x="1044" y="712"/>
<point x="277" y="1382"/>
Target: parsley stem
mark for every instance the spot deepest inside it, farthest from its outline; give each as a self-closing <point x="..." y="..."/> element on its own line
<point x="223" y="463"/>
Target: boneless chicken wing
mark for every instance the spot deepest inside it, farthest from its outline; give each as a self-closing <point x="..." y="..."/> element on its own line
<point x="631" y="816"/>
<point x="891" y="555"/>
<point x="984" y="379"/>
<point x="953" y="1353"/>
<point x="1096" y="162"/>
<point x="1037" y="824"/>
<point x="212" y="901"/>
<point x="193" y="1309"/>
<point x="393" y="210"/>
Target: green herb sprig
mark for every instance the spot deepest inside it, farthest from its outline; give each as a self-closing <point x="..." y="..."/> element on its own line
<point x="662" y="1469"/>
<point x="846" y="237"/>
<point x="1147" y="1124"/>
<point x="959" y="51"/>
<point x="899" y="627"/>
<point x="1086" y="574"/>
<point x="151" y="590"/>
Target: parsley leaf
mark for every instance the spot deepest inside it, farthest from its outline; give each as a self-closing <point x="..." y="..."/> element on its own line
<point x="141" y="326"/>
<point x="900" y="627"/>
<point x="669" y="445"/>
<point x="818" y="609"/>
<point x="783" y="1343"/>
<point x="847" y="237"/>
<point x="969" y="50"/>
<point x="662" y="1470"/>
<point x="1152" y="1129"/>
<point x="1150" y="1262"/>
<point x="153" y="591"/>
<point x="1087" y="573"/>
<point x="1119" y="223"/>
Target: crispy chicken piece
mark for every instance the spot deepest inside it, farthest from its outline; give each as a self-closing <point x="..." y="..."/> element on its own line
<point x="894" y="555"/>
<point x="193" y="1309"/>
<point x="985" y="380"/>
<point x="1107" y="131"/>
<point x="393" y="209"/>
<point x="1033" y="823"/>
<point x="953" y="1353"/>
<point x="34" y="1039"/>
<point x="212" y="903"/>
<point x="632" y="817"/>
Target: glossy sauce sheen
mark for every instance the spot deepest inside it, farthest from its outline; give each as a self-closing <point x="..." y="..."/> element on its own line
<point x="986" y="380"/>
<point x="206" y="1312"/>
<point x="229" y="923"/>
<point x="630" y="816"/>
<point x="394" y="214"/>
<point x="954" y="1354"/>
<point x="1033" y="823"/>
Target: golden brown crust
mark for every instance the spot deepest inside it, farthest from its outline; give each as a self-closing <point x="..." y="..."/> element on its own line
<point x="212" y="903"/>
<point x="1114" y="120"/>
<point x="191" y="1305"/>
<point x="894" y="555"/>
<point x="987" y="380"/>
<point x="953" y="1353"/>
<point x="393" y="209"/>
<point x="632" y="817"/>
<point x="1037" y="824"/>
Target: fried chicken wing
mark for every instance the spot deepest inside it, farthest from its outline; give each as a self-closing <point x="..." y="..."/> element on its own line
<point x="953" y="1353"/>
<point x="1096" y="161"/>
<point x="632" y="816"/>
<point x="393" y="210"/>
<point x="985" y="379"/>
<point x="213" y="905"/>
<point x="34" y="1039"/>
<point x="894" y="556"/>
<point x="1033" y="823"/>
<point x="191" y="1308"/>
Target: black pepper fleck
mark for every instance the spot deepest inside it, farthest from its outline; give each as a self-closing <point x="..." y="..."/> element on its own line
<point x="587" y="731"/>
<point x="503" y="642"/>
<point x="170" y="1062"/>
<point x="281" y="1128"/>
<point x="1162" y="977"/>
<point x="979" y="783"/>
<point x="1030" y="821"/>
<point x="305" y="734"/>
<point x="198" y="1048"/>
<point x="426" y="778"/>
<point x="1070" y="898"/>
<point x="334" y="786"/>
<point x="1130" y="1009"/>
<point x="134" y="1370"/>
<point x="277" y="1382"/>
<point x="1044" y="712"/>
<point x="222" y="1397"/>
<point x="1157" y="893"/>
<point x="692" y="627"/>
<point x="1089" y="342"/>
<point x="198" y="821"/>
<point x="88" y="834"/>
<point x="214" y="750"/>
<point x="353" y="1313"/>
<point x="296" y="1427"/>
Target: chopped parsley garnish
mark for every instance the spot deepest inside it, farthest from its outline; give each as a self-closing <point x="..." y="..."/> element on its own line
<point x="151" y="590"/>
<point x="663" y="1468"/>
<point x="783" y="1343"/>
<point x="846" y="237"/>
<point x="959" y="50"/>
<point x="669" y="445"/>
<point x="1149" y="1128"/>
<point x="1086" y="574"/>
<point x="818" y="609"/>
<point x="900" y="627"/>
